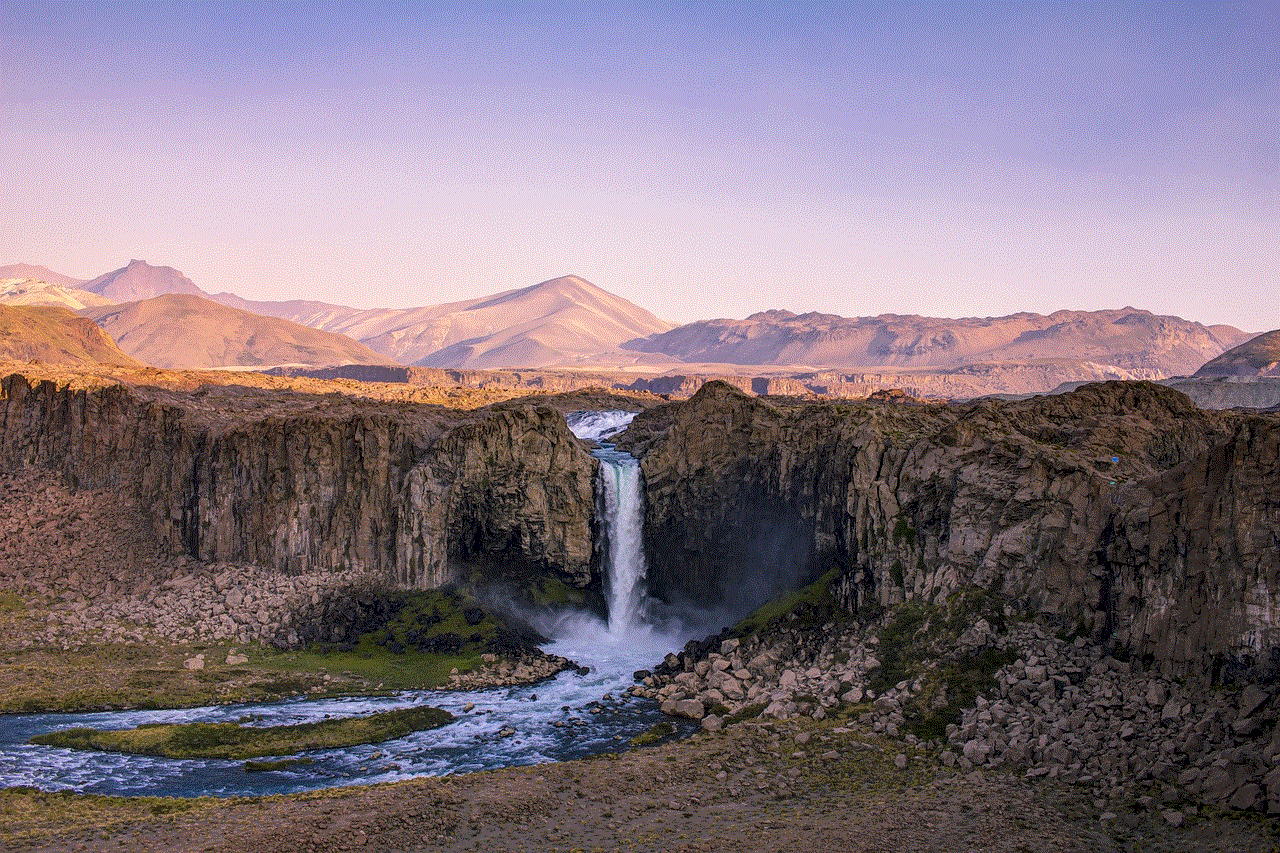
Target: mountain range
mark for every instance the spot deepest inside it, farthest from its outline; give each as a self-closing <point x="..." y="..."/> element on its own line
<point x="161" y="317"/>
<point x="1259" y="356"/>
<point x="182" y="330"/>
<point x="1128" y="338"/>
<point x="557" y="322"/>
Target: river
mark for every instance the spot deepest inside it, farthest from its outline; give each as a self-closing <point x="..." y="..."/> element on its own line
<point x="570" y="716"/>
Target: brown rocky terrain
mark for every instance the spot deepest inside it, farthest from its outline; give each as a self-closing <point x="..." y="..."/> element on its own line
<point x="744" y="497"/>
<point x="299" y="482"/>
<point x="1259" y="356"/>
<point x="186" y="331"/>
<point x="1127" y="338"/>
<point x="1044" y="705"/>
<point x="57" y="336"/>
<point x="1002" y="608"/>
<point x="96" y="613"/>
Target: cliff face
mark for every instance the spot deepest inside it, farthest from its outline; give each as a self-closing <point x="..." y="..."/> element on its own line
<point x="297" y="482"/>
<point x="1171" y="550"/>
<point x="515" y="492"/>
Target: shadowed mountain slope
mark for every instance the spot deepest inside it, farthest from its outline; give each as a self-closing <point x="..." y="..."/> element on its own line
<point x="185" y="331"/>
<point x="1257" y="357"/>
<point x="56" y="335"/>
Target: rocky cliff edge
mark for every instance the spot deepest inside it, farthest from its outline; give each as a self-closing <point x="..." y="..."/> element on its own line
<point x="1119" y="511"/>
<point x="418" y="494"/>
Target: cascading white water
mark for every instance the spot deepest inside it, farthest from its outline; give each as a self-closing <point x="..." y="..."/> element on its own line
<point x="623" y="518"/>
<point x="623" y="503"/>
<point x="557" y="719"/>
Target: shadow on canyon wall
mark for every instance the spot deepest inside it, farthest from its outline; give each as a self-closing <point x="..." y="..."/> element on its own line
<point x="1119" y="511"/>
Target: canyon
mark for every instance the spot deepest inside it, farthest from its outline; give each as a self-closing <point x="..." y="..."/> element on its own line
<point x="1109" y="543"/>
<point x="1092" y="508"/>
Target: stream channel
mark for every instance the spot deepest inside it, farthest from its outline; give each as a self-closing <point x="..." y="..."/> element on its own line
<point x="553" y="720"/>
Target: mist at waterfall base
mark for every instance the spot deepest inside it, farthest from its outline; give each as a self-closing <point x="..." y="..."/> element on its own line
<point x="563" y="718"/>
<point x="776" y="547"/>
<point x="635" y="619"/>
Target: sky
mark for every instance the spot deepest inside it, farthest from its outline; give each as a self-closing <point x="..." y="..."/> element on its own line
<point x="701" y="160"/>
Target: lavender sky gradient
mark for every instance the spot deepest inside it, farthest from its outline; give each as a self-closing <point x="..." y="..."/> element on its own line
<point x="952" y="160"/>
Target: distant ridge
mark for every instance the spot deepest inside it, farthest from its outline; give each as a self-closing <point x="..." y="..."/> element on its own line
<point x="1257" y="357"/>
<point x="179" y="330"/>
<point x="20" y="291"/>
<point x="560" y="321"/>
<point x="568" y="322"/>
<point x="39" y="273"/>
<point x="1128" y="338"/>
<point x="55" y="335"/>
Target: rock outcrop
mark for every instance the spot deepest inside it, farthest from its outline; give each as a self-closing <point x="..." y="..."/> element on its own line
<point x="416" y="494"/>
<point x="1043" y="705"/>
<point x="1229" y="392"/>
<point x="1120" y="509"/>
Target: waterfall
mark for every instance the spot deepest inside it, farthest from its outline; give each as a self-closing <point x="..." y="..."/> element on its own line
<point x="622" y="490"/>
<point x="624" y="525"/>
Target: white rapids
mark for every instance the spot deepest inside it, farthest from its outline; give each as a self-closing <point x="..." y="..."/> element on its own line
<point x="570" y="716"/>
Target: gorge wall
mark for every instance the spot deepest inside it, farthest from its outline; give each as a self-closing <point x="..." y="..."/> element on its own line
<point x="1171" y="551"/>
<point x="416" y="494"/>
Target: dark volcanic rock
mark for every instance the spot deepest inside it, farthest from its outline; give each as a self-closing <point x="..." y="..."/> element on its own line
<point x="1170" y="551"/>
<point x="416" y="494"/>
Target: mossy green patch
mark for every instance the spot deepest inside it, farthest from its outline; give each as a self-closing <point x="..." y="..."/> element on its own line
<point x="750" y="712"/>
<point x="917" y="641"/>
<point x="653" y="734"/>
<point x="812" y="605"/>
<point x="233" y="740"/>
<point x="952" y="688"/>
<point x="421" y="639"/>
<point x="904" y="531"/>
<point x="901" y="640"/>
<point x="553" y="592"/>
<point x="427" y="636"/>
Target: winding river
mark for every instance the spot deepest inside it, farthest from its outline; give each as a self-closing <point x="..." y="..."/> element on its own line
<point x="570" y="716"/>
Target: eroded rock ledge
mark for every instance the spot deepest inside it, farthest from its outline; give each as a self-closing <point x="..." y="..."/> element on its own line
<point x="1120" y="512"/>
<point x="298" y="483"/>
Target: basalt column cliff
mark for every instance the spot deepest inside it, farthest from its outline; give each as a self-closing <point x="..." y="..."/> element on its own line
<point x="1120" y="511"/>
<point x="418" y="495"/>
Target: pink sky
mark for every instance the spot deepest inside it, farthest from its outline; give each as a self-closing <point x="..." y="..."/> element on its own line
<point x="952" y="161"/>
